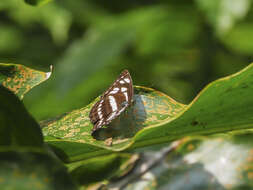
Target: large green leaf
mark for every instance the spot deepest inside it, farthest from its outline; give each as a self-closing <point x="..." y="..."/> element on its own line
<point x="223" y="105"/>
<point x="74" y="129"/>
<point x="17" y="127"/>
<point x="25" y="169"/>
<point x="20" y="79"/>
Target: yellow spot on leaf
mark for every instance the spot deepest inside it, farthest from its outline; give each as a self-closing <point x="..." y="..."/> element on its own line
<point x="85" y="133"/>
<point x="250" y="157"/>
<point x="17" y="173"/>
<point x="64" y="127"/>
<point x="1" y="180"/>
<point x="75" y="130"/>
<point x="190" y="147"/>
<point x="39" y="185"/>
<point x="46" y="180"/>
<point x="33" y="175"/>
<point x="250" y="175"/>
<point x="151" y="118"/>
<point x="69" y="135"/>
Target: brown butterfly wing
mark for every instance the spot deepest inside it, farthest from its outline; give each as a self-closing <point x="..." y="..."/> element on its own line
<point x="113" y="102"/>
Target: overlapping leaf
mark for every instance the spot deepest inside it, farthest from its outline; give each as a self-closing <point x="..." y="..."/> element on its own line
<point x="24" y="160"/>
<point x="26" y="169"/>
<point x="224" y="105"/>
<point x="17" y="127"/>
<point x="20" y="79"/>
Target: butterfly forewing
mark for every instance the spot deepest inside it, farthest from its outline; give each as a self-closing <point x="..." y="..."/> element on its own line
<point x="113" y="102"/>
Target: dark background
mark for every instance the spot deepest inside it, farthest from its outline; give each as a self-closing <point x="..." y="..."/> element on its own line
<point x="176" y="47"/>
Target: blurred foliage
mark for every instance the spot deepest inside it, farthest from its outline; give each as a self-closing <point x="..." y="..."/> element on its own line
<point x="185" y="45"/>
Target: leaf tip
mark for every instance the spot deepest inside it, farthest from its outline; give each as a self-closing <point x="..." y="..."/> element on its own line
<point x="48" y="74"/>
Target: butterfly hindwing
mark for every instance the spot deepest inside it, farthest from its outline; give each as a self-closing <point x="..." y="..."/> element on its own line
<point x="113" y="102"/>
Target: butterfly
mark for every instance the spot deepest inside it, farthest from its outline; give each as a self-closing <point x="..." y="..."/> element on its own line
<point x="113" y="102"/>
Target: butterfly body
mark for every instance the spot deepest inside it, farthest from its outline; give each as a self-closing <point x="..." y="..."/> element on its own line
<point x="113" y="102"/>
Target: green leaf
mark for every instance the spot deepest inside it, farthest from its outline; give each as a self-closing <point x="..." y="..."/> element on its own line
<point x="26" y="169"/>
<point x="73" y="130"/>
<point x="20" y="79"/>
<point x="17" y="127"/>
<point x="37" y="2"/>
<point x="224" y="105"/>
<point x="102" y="168"/>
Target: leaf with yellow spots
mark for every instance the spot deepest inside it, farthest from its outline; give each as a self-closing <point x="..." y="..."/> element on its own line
<point x="74" y="129"/>
<point x="224" y="105"/>
<point x="20" y="79"/>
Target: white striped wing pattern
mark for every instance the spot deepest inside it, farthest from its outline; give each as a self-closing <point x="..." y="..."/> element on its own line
<point x="113" y="102"/>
